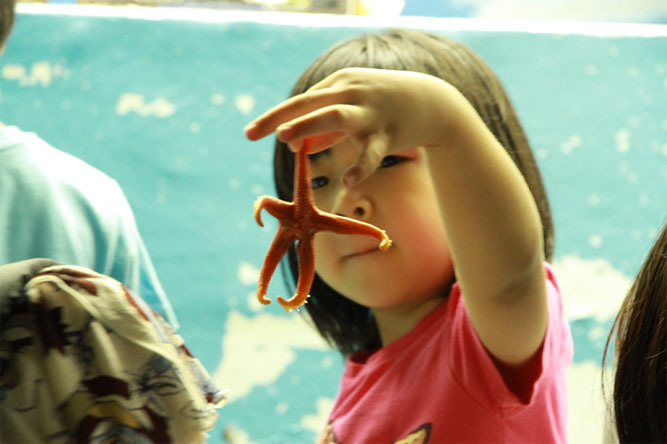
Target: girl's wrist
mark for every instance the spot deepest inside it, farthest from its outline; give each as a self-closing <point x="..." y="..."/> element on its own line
<point x="454" y="118"/>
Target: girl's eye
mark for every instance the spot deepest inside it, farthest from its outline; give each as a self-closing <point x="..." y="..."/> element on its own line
<point x="391" y="161"/>
<point x="319" y="182"/>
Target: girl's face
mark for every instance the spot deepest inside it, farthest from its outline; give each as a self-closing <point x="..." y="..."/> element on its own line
<point x="399" y="198"/>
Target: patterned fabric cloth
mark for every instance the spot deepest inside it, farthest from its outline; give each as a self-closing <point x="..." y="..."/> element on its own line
<point x="83" y="360"/>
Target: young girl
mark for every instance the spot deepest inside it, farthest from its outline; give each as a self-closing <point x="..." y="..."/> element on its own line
<point x="456" y="333"/>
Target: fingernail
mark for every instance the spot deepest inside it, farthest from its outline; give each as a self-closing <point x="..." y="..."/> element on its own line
<point x="283" y="132"/>
<point x="249" y="127"/>
<point x="351" y="178"/>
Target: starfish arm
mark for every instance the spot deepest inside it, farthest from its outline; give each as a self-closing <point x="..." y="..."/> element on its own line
<point x="306" y="275"/>
<point x="277" y="208"/>
<point x="281" y="243"/>
<point x="303" y="191"/>
<point x="346" y="225"/>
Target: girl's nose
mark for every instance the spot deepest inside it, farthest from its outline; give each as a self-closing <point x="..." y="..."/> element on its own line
<point x="354" y="204"/>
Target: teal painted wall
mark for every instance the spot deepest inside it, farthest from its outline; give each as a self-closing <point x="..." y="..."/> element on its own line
<point x="160" y="105"/>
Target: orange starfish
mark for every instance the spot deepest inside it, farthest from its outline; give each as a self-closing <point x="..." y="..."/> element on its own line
<point x="299" y="220"/>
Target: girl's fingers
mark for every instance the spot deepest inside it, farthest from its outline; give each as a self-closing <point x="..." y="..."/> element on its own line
<point x="291" y="109"/>
<point x="330" y="123"/>
<point x="319" y="143"/>
<point x="296" y="145"/>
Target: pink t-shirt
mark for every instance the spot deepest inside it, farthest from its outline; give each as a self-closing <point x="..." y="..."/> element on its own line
<point x="438" y="384"/>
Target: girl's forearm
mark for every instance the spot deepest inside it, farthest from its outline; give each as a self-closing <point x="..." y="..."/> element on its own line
<point x="491" y="219"/>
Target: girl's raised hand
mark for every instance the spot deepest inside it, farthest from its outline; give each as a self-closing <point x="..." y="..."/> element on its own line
<point x="381" y="111"/>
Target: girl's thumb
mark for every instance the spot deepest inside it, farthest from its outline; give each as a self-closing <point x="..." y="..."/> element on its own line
<point x="369" y="160"/>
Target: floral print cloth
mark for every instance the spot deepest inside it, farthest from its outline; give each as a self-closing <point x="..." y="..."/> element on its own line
<point x="83" y="360"/>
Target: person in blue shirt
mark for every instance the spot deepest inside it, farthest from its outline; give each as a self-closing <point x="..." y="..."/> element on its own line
<point x="54" y="205"/>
